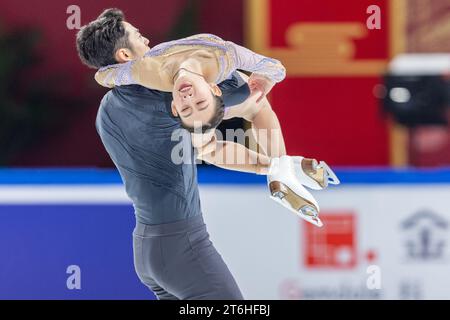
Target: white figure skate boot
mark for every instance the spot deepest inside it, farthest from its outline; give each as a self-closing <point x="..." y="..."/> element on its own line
<point x="314" y="175"/>
<point x="286" y="189"/>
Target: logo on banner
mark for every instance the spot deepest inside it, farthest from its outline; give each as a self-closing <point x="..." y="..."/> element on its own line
<point x="333" y="246"/>
<point x="292" y="289"/>
<point x="425" y="236"/>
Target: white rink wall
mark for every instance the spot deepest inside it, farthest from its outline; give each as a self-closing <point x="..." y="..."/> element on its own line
<point x="386" y="236"/>
<point x="379" y="241"/>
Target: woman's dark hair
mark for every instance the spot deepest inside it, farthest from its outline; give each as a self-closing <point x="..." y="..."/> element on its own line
<point x="98" y="41"/>
<point x="215" y="120"/>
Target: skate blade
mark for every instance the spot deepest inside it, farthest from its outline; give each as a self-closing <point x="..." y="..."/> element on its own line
<point x="311" y="168"/>
<point x="320" y="172"/>
<point x="290" y="200"/>
<point x="329" y="175"/>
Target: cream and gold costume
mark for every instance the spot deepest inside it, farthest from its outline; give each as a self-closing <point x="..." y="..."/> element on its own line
<point x="157" y="68"/>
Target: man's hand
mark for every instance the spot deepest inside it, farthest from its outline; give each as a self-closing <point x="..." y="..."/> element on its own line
<point x="259" y="85"/>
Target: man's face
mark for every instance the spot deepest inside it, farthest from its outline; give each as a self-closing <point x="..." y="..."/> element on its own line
<point x="139" y="44"/>
<point x="193" y="99"/>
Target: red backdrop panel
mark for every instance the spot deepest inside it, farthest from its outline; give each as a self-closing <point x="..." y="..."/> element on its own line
<point x="335" y="118"/>
<point x="332" y="119"/>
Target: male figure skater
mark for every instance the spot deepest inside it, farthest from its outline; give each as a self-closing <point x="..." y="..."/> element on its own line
<point x="173" y="254"/>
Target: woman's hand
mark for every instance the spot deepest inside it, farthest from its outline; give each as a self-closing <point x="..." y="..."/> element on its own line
<point x="259" y="85"/>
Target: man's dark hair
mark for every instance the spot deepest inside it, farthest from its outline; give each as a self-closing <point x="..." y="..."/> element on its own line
<point x="215" y="120"/>
<point x="98" y="41"/>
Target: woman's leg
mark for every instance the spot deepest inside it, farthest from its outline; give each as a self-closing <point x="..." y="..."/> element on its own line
<point x="267" y="131"/>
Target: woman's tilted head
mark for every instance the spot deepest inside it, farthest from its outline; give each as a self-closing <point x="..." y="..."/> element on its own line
<point x="198" y="103"/>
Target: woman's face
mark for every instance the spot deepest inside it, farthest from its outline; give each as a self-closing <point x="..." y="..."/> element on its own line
<point x="193" y="99"/>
